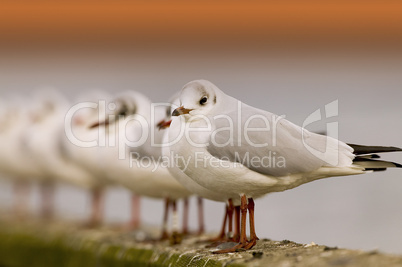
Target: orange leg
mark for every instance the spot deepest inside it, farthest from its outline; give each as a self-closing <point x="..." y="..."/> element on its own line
<point x="165" y="235"/>
<point x="47" y="194"/>
<point x="185" y="217"/>
<point x="253" y="236"/>
<point x="97" y="207"/>
<point x="236" y="236"/>
<point x="243" y="238"/>
<point x="243" y="209"/>
<point x="200" y="216"/>
<point x="135" y="212"/>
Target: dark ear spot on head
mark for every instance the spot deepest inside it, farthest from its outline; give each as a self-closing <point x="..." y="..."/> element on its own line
<point x="201" y="90"/>
<point x="214" y="99"/>
<point x="122" y="110"/>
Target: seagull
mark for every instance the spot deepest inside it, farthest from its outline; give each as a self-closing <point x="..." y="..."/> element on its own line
<point x="9" y="129"/>
<point x="44" y="141"/>
<point x="236" y="149"/>
<point x="16" y="120"/>
<point x="193" y="186"/>
<point x="77" y="150"/>
<point x="129" y="158"/>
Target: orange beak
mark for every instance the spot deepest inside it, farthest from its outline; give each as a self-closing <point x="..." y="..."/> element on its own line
<point x="164" y="124"/>
<point x="181" y="111"/>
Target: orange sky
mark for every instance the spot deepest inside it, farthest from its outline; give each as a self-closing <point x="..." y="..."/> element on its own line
<point x="190" y="21"/>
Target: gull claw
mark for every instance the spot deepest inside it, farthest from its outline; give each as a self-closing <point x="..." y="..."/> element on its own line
<point x="238" y="248"/>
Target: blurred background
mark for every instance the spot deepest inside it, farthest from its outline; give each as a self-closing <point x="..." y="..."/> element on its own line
<point x="288" y="57"/>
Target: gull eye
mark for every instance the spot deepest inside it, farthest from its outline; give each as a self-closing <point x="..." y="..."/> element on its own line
<point x="203" y="100"/>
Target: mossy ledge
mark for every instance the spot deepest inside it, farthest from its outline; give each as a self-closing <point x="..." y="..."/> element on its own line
<point x="63" y="244"/>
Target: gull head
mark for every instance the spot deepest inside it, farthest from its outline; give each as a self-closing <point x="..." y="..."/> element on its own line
<point x="197" y="98"/>
<point x="123" y="106"/>
<point x="87" y="114"/>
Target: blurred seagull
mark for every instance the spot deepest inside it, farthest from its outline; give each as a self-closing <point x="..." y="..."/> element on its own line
<point x="129" y="158"/>
<point x="224" y="157"/>
<point x="15" y="162"/>
<point x="44" y="141"/>
<point x="79" y="148"/>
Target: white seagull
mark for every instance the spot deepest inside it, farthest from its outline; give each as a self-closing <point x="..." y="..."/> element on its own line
<point x="44" y="140"/>
<point x="236" y="149"/>
<point x="129" y="158"/>
<point x="193" y="186"/>
<point x="79" y="146"/>
<point x="15" y="161"/>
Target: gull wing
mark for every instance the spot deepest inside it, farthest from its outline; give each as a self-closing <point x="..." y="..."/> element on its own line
<point x="271" y="145"/>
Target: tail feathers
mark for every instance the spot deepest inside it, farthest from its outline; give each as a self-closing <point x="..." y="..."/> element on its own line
<point x="360" y="149"/>
<point x="375" y="165"/>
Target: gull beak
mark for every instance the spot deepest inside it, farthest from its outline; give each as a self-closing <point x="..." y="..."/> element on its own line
<point x="181" y="111"/>
<point x="97" y="124"/>
<point x="164" y="124"/>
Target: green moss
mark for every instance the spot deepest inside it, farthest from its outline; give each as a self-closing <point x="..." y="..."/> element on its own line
<point x="40" y="247"/>
<point x="138" y="256"/>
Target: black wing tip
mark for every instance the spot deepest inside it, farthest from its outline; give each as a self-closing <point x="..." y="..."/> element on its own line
<point x="376" y="169"/>
<point x="362" y="159"/>
<point x="362" y="149"/>
<point x="397" y="165"/>
<point x="368" y="156"/>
